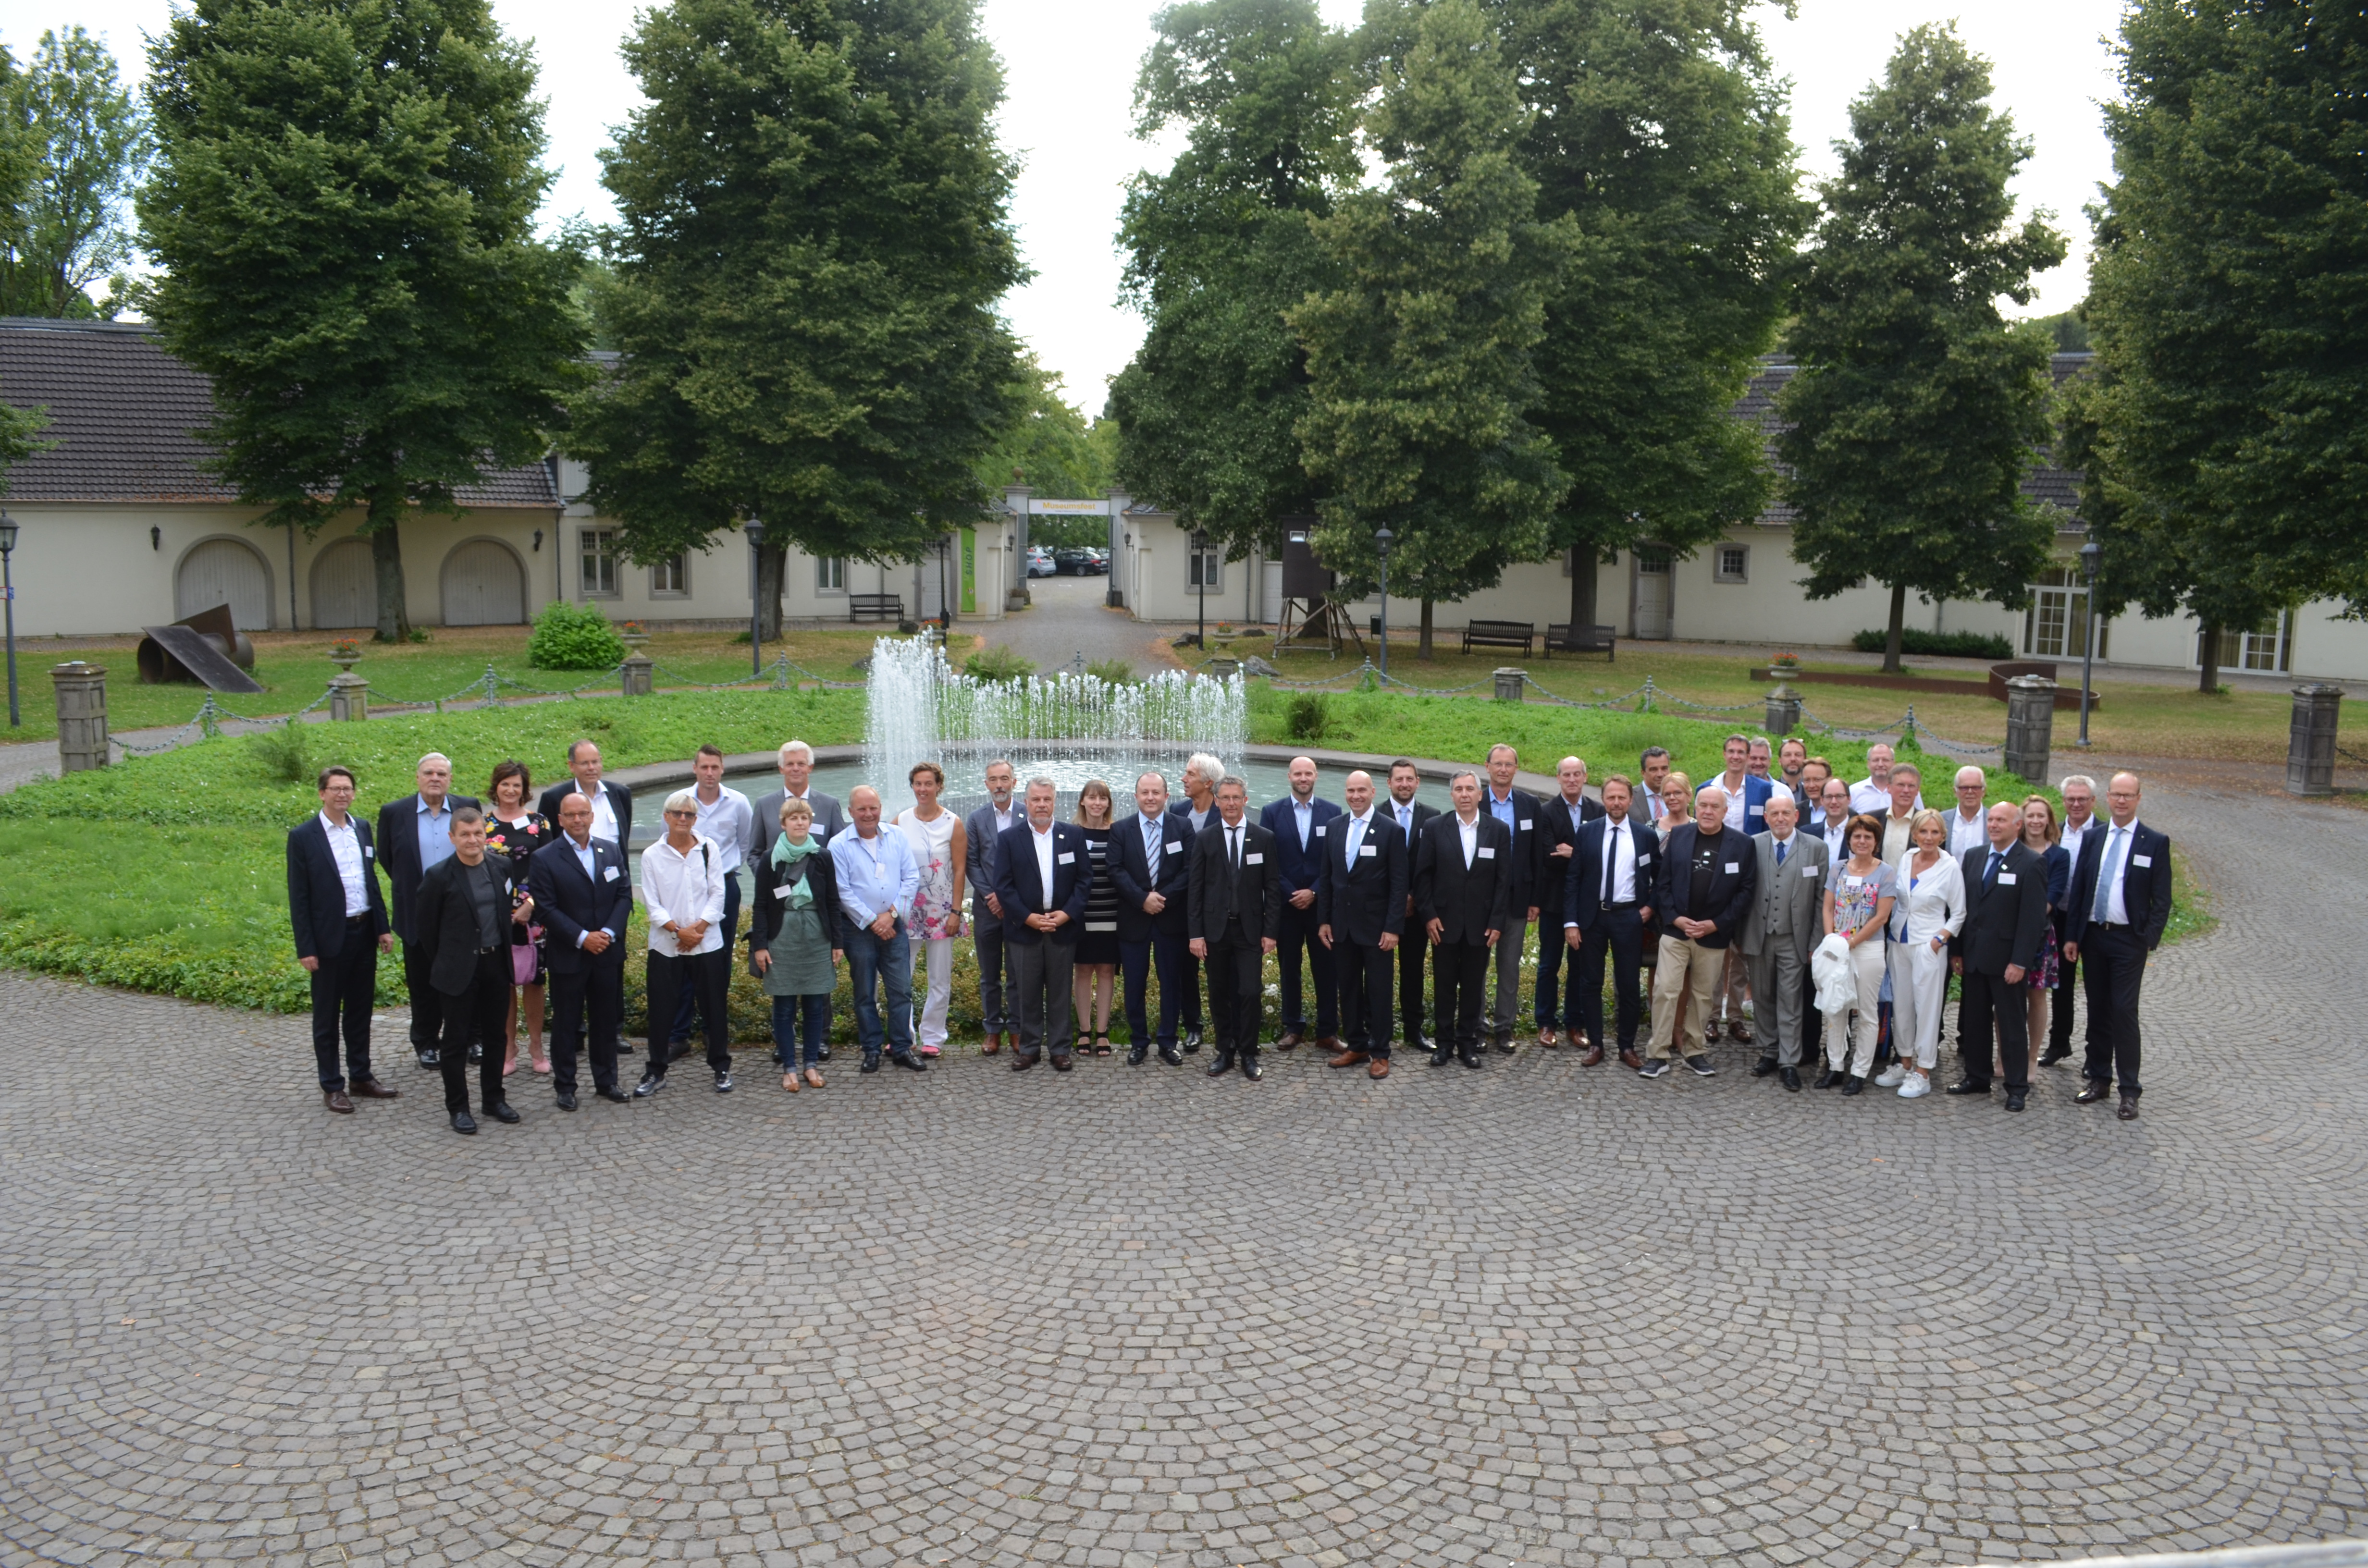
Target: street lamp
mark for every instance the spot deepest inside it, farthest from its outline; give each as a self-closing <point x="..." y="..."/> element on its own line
<point x="1200" y="575"/>
<point x="1381" y="537"/>
<point x="756" y="596"/>
<point x="8" y="602"/>
<point x="2088" y="554"/>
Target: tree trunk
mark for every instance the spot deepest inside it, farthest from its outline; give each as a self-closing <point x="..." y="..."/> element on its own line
<point x="386" y="556"/>
<point x="2207" y="655"/>
<point x="1583" y="567"/>
<point x="1422" y="649"/>
<point x="772" y="567"/>
<point x="1898" y="624"/>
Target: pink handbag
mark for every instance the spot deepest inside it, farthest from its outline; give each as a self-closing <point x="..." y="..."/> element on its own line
<point x="525" y="960"/>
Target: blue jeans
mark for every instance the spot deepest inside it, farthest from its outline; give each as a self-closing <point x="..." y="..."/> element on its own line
<point x="786" y="1014"/>
<point x="888" y="961"/>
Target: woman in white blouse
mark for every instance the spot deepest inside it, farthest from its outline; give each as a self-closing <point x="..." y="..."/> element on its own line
<point x="1930" y="910"/>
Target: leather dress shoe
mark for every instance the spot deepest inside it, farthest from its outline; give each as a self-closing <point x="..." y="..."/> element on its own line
<point x="1591" y="1057"/>
<point x="564" y="1099"/>
<point x="1173" y="1057"/>
<point x="430" y="1059"/>
<point x="2014" y="1098"/>
<point x="1020" y="1060"/>
<point x="461" y="1123"/>
<point x="1630" y="1060"/>
<point x="2092" y="1091"/>
<point x="1378" y="1067"/>
<point x="617" y="1097"/>
<point x="1472" y="1059"/>
<point x="1330" y="1042"/>
<point x="871" y="1063"/>
<point x="337" y="1101"/>
<point x="476" y="1053"/>
<point x="500" y="1112"/>
<point x="1250" y="1068"/>
<point x="994" y="1043"/>
<point x="1348" y="1059"/>
<point x="1829" y="1078"/>
<point x="371" y="1089"/>
<point x="1857" y="1085"/>
<point x="1967" y="1086"/>
<point x="911" y="1063"/>
<point x="1441" y="1057"/>
<point x="1137" y="1052"/>
<point x="2129" y="1109"/>
<point x="1290" y="1040"/>
<point x="1505" y="1042"/>
<point x="1222" y="1065"/>
<point x="2053" y="1057"/>
<point x="1548" y="1039"/>
<point x="1763" y="1067"/>
<point x="1062" y="1061"/>
<point x="1191" y="1042"/>
<point x="1790" y="1078"/>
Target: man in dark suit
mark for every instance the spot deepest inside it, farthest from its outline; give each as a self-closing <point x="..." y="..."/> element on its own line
<point x="341" y="928"/>
<point x="982" y="831"/>
<point x="1568" y="810"/>
<point x="414" y="834"/>
<point x="795" y="760"/>
<point x="2006" y="916"/>
<point x="1237" y="905"/>
<point x="1646" y="808"/>
<point x="1203" y="773"/>
<point x="1298" y="822"/>
<point x="612" y="804"/>
<point x="1361" y="904"/>
<point x="1607" y="897"/>
<point x="1463" y="893"/>
<point x="1410" y="815"/>
<point x="1705" y="877"/>
<point x="462" y="919"/>
<point x="2117" y="908"/>
<point x="1151" y="866"/>
<point x="581" y="885"/>
<point x="1041" y="876"/>
<point x="1522" y="813"/>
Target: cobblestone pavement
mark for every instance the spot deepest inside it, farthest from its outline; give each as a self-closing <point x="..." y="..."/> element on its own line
<point x="1535" y="1315"/>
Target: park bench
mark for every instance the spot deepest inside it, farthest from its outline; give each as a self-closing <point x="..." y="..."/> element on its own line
<point x="1563" y="638"/>
<point x="875" y="606"/>
<point x="1522" y="635"/>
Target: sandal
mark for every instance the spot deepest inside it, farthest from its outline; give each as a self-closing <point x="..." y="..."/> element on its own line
<point x="1101" y="1045"/>
<point x="814" y="1077"/>
<point x="542" y="1063"/>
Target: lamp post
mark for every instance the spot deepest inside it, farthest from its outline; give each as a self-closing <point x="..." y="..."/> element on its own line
<point x="2088" y="554"/>
<point x="756" y="596"/>
<point x="1200" y="575"/>
<point x="1381" y="537"/>
<point x="8" y="603"/>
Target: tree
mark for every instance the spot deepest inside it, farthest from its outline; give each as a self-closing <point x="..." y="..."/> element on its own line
<point x="2228" y="473"/>
<point x="812" y="232"/>
<point x="343" y="208"/>
<point x="1917" y="410"/>
<point x="1420" y="360"/>
<point x="20" y="436"/>
<point x="1219" y="250"/>
<point x="74" y="143"/>
<point x="1047" y="443"/>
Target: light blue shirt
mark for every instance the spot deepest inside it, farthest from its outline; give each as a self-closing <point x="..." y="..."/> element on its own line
<point x="1152" y="835"/>
<point x="1304" y="812"/>
<point x="435" y="833"/>
<point x="1503" y="811"/>
<point x="876" y="876"/>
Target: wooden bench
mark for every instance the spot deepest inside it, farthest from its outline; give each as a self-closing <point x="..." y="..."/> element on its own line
<point x="1522" y="635"/>
<point x="1561" y="638"/>
<point x="875" y="606"/>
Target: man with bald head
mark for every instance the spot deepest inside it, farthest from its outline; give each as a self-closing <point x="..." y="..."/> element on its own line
<point x="1150" y="864"/>
<point x="1360" y="910"/>
<point x="1300" y="822"/>
<point x="415" y="834"/>
<point x="877" y="878"/>
<point x="2006" y="917"/>
<point x="1706" y="875"/>
<point x="2115" y="912"/>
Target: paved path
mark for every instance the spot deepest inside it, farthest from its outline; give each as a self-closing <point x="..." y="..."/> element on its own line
<point x="1534" y="1315"/>
<point x="1069" y="618"/>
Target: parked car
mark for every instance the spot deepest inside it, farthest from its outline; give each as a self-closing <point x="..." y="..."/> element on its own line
<point x="1101" y="557"/>
<point x="1073" y="560"/>
<point x="1039" y="562"/>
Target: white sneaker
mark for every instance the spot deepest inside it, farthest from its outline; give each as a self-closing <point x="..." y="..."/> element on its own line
<point x="1889" y="1078"/>
<point x="1916" y="1086"/>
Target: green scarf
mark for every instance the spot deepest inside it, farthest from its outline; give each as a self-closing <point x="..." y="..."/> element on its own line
<point x="787" y="855"/>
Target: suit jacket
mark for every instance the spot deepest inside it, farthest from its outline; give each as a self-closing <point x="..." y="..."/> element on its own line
<point x="1553" y="870"/>
<point x="765" y="822"/>
<point x="620" y="801"/>
<point x="1218" y="892"/>
<point x="446" y="920"/>
<point x="1756" y="791"/>
<point x="2145" y="883"/>
<point x="1734" y="875"/>
<point x="1529" y="848"/>
<point x="1363" y="898"/>
<point x="316" y="893"/>
<point x="1799" y="888"/>
<point x="2004" y="922"/>
<point x="569" y="903"/>
<point x="1136" y="879"/>
<point x="1021" y="889"/>
<point x="765" y="908"/>
<point x="1582" y="885"/>
<point x="1423" y="812"/>
<point x="398" y="852"/>
<point x="1300" y="867"/>
<point x="1468" y="903"/>
<point x="980" y="834"/>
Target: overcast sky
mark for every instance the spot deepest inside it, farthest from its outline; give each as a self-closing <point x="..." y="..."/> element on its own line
<point x="1071" y="68"/>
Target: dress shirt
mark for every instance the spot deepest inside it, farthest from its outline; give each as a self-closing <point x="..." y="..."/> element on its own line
<point x="1304" y="812"/>
<point x="1866" y="795"/>
<point x="590" y="862"/>
<point x="1233" y="852"/>
<point x="2074" y="836"/>
<point x="1660" y="808"/>
<point x="1502" y="811"/>
<point x="1783" y="849"/>
<point x="434" y="833"/>
<point x="728" y="819"/>
<point x="1963" y="835"/>
<point x="1153" y="832"/>
<point x="876" y="875"/>
<point x="683" y="888"/>
<point x="1405" y="818"/>
<point x="1470" y="833"/>
<point x="1357" y="828"/>
<point x="1989" y="871"/>
<point x="1578" y="809"/>
<point x="2109" y="907"/>
<point x="1618" y="863"/>
<point x="1042" y="840"/>
<point x="345" y="845"/>
<point x="604" y="816"/>
<point x="1836" y="850"/>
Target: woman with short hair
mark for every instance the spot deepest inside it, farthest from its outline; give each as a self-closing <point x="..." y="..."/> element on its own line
<point x="1929" y="912"/>
<point x="793" y="941"/>
<point x="1858" y="895"/>
<point x="1094" y="986"/>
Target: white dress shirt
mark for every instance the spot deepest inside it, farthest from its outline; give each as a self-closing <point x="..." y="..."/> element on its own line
<point x="1469" y="832"/>
<point x="1620" y="863"/>
<point x="679" y="889"/>
<point x="345" y="846"/>
<point x="604" y="816"/>
<point x="1044" y="840"/>
<point x="591" y="864"/>
<point x="728" y="819"/>
<point x="1154" y="829"/>
<point x="2075" y="837"/>
<point x="1963" y="835"/>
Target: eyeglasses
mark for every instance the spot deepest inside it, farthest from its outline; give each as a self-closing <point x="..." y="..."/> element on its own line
<point x="688" y="816"/>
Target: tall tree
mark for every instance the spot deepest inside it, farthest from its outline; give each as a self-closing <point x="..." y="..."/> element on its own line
<point x="1047" y="442"/>
<point x="343" y="208"/>
<point x="74" y="143"/>
<point x="1421" y="359"/>
<point x="812" y="232"/>
<point x="1219" y="249"/>
<point x="2228" y="475"/>
<point x="1917" y="410"/>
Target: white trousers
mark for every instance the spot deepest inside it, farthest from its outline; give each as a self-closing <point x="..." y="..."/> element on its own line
<point x="932" y="1029"/>
<point x="1920" y="984"/>
<point x="1846" y="1032"/>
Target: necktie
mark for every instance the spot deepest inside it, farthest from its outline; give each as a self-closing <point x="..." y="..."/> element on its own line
<point x="1612" y="858"/>
<point x="1989" y="873"/>
<point x="1233" y="846"/>
<point x="1356" y="837"/>
<point x="1782" y="845"/>
<point x="2105" y="869"/>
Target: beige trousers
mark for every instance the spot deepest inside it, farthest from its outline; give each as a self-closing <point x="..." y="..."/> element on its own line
<point x="1689" y="970"/>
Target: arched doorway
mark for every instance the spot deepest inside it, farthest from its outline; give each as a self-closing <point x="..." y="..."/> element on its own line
<point x="485" y="584"/>
<point x="345" y="587"/>
<point x="224" y="572"/>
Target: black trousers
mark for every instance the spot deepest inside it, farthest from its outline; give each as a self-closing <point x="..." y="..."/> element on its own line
<point x="475" y="1016"/>
<point x="1296" y="933"/>
<point x="602" y="986"/>
<point x="1363" y="974"/>
<point x="1553" y="957"/>
<point x="1236" y="989"/>
<point x="1411" y="954"/>
<point x="1193" y="1019"/>
<point x="707" y="976"/>
<point x="685" y="1009"/>
<point x="1136" y="960"/>
<point x="2059" y="1005"/>
<point x="993" y="969"/>
<point x="343" y="988"/>
<point x="1620" y="937"/>
<point x="426" y="1007"/>
<point x="1992" y="1007"/>
<point x="1460" y="991"/>
<point x="2115" y="960"/>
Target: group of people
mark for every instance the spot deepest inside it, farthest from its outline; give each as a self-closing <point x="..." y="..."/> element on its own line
<point x="1817" y="918"/>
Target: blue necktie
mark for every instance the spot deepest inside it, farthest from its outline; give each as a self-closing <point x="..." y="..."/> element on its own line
<point x="1782" y="845"/>
<point x="2105" y="871"/>
<point x="1989" y="877"/>
<point x="1356" y="837"/>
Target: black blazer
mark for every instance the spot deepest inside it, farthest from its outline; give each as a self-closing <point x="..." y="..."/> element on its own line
<point x="1555" y="830"/>
<point x="1016" y="882"/>
<point x="822" y="879"/>
<point x="1733" y="876"/>
<point x="568" y="904"/>
<point x="316" y="894"/>
<point x="1582" y="891"/>
<point x="2145" y="889"/>
<point x="1363" y="899"/>
<point x="1219" y="893"/>
<point x="446" y="920"/>
<point x="1171" y="878"/>
<point x="398" y="851"/>
<point x="1423" y="812"/>
<point x="1528" y="844"/>
<point x="621" y="800"/>
<point x="1467" y="902"/>
<point x="2004" y="922"/>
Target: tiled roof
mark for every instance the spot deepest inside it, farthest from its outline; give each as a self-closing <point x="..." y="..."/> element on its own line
<point x="2047" y="485"/>
<point x="123" y="412"/>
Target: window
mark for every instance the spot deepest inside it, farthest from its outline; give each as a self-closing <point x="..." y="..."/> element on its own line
<point x="600" y="563"/>
<point x="1733" y="563"/>
<point x="830" y="574"/>
<point x="2268" y="647"/>
<point x="1205" y="569"/>
<point x="2057" y="624"/>
<point x="670" y="578"/>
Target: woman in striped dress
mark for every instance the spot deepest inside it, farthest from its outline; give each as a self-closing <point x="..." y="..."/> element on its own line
<point x="1095" y="990"/>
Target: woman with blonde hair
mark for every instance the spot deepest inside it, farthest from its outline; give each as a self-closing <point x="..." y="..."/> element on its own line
<point x="1094" y="990"/>
<point x="1928" y="911"/>
<point x="1860" y="893"/>
<point x="2042" y="834"/>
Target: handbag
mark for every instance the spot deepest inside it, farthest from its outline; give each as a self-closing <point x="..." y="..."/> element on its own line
<point x="525" y="958"/>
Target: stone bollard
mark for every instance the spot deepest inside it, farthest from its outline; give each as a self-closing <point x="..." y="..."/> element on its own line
<point x="2310" y="744"/>
<point x="2029" y="725"/>
<point x="1224" y="668"/>
<point x="349" y="697"/>
<point x="636" y="676"/>
<point x="1784" y="712"/>
<point x="82" y="716"/>
<point x="1508" y="684"/>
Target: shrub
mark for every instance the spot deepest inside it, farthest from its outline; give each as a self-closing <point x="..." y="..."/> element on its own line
<point x="998" y="663"/>
<point x="1118" y="672"/>
<point x="574" y="636"/>
<point x="283" y="755"/>
<point x="1938" y="644"/>
<point x="1309" y="716"/>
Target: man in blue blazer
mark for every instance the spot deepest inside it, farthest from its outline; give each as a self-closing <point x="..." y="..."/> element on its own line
<point x="1607" y="897"/>
<point x="1041" y="874"/>
<point x="584" y="892"/>
<point x="1151" y="866"/>
<point x="2113" y="918"/>
<point x="341" y="928"/>
<point x="1298" y="822"/>
<point x="1360" y="903"/>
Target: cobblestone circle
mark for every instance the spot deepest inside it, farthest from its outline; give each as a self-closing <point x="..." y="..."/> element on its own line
<point x="1130" y="1317"/>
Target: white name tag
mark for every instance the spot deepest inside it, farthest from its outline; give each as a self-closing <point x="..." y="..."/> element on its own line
<point x="1253" y="859"/>
<point x="1643" y="860"/>
<point x="1320" y="827"/>
<point x="2005" y="878"/>
<point x="2145" y="860"/>
<point x="1365" y="849"/>
<point x="1065" y="858"/>
<point x="1732" y="868"/>
<point x="1811" y="870"/>
<point x="1487" y="852"/>
<point x="1853" y="881"/>
<point x="1521" y="827"/>
<point x="1176" y="849"/>
<point x="610" y="875"/>
<point x="368" y="853"/>
<point x="782" y="892"/>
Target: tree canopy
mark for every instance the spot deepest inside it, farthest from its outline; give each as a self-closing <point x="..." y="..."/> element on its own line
<point x="1047" y="442"/>
<point x="74" y="143"/>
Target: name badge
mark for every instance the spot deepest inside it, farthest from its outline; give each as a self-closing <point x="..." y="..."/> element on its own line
<point x="2005" y="878"/>
<point x="1065" y="858"/>
<point x="368" y="853"/>
<point x="2145" y="860"/>
<point x="1522" y="825"/>
<point x="1733" y="868"/>
<point x="1365" y="849"/>
<point x="1254" y="859"/>
<point x="1487" y="852"/>
<point x="782" y="892"/>
<point x="1645" y="860"/>
<point x="610" y="876"/>
<point x="1811" y="870"/>
<point x="1320" y="827"/>
<point x="1853" y="881"/>
<point x="1176" y="849"/>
